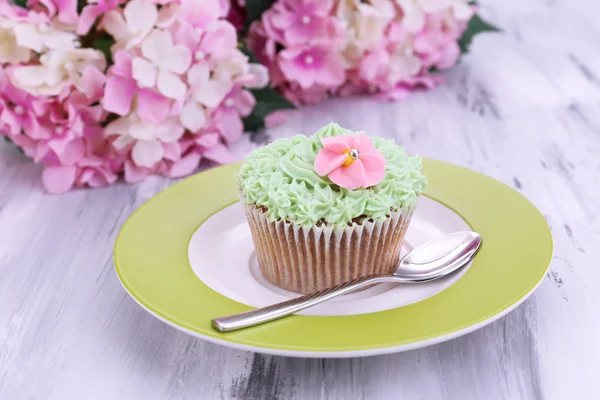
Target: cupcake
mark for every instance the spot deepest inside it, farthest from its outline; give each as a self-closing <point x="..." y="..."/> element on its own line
<point x="330" y="208"/>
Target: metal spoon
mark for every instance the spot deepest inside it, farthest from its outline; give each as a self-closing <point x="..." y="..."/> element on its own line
<point x="430" y="261"/>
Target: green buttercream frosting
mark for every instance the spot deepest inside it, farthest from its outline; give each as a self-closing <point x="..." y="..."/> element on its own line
<point x="281" y="177"/>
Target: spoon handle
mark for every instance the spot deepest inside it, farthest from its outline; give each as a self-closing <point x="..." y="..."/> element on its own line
<point x="276" y="311"/>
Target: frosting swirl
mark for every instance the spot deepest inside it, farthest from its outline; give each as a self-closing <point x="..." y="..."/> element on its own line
<point x="281" y="177"/>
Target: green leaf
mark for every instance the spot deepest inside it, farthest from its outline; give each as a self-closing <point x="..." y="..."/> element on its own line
<point x="103" y="44"/>
<point x="267" y="101"/>
<point x="476" y="25"/>
<point x="21" y="3"/>
<point x="255" y="9"/>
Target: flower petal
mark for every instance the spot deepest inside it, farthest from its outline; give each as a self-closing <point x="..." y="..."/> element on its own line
<point x="170" y="85"/>
<point x="152" y="106"/>
<point x="157" y="46"/>
<point x="58" y="179"/>
<point x="218" y="153"/>
<point x="178" y="60"/>
<point x="143" y="131"/>
<point x="140" y="16"/>
<point x="328" y="160"/>
<point x="198" y="74"/>
<point x="220" y="40"/>
<point x="169" y="132"/>
<point x="185" y="166"/>
<point x="211" y="93"/>
<point x="118" y="95"/>
<point x="374" y="165"/>
<point x="338" y="144"/>
<point x="351" y="177"/>
<point x="193" y="116"/>
<point x="146" y="153"/>
<point x="364" y="145"/>
<point x="144" y="72"/>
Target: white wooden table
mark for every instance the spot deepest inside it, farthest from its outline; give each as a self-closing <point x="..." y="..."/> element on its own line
<point x="524" y="108"/>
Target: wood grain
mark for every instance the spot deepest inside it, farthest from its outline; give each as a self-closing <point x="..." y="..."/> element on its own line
<point x="524" y="108"/>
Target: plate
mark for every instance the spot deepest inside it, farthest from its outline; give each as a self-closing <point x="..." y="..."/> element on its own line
<point x="186" y="257"/>
<point x="236" y="274"/>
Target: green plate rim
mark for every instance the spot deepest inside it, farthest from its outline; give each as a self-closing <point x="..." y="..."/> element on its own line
<point x="172" y="293"/>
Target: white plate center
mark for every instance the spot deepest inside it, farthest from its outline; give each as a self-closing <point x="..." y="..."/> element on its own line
<point x="221" y="254"/>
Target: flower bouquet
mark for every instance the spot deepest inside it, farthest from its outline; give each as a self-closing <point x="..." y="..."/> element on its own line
<point x="98" y="89"/>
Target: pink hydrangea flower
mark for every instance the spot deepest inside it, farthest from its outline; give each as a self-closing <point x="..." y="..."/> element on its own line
<point x="312" y="65"/>
<point x="350" y="161"/>
<point x="121" y="89"/>
<point x="302" y="21"/>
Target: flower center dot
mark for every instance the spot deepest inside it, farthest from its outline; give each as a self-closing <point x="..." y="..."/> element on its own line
<point x="60" y="130"/>
<point x="199" y="31"/>
<point x="69" y="66"/>
<point x="228" y="102"/>
<point x="309" y="60"/>
<point x="306" y="19"/>
<point x="19" y="110"/>
<point x="354" y="154"/>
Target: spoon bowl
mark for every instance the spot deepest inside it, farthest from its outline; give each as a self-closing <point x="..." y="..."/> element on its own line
<point x="438" y="258"/>
<point x="430" y="261"/>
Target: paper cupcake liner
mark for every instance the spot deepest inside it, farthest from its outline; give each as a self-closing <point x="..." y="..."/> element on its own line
<point x="306" y="260"/>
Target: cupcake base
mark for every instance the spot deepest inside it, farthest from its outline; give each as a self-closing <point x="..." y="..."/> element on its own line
<point x="306" y="260"/>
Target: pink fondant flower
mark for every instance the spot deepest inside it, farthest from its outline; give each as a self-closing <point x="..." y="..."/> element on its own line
<point x="350" y="161"/>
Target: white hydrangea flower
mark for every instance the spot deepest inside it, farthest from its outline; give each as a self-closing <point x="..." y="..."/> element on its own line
<point x="404" y="64"/>
<point x="416" y="10"/>
<point x="130" y="26"/>
<point x="57" y="68"/>
<point x="366" y="23"/>
<point x="148" y="138"/>
<point x="206" y="93"/>
<point x="10" y="51"/>
<point x="42" y="37"/>
<point x="161" y="65"/>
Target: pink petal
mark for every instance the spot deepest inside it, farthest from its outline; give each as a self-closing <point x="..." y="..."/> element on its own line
<point x="374" y="165"/>
<point x="185" y="166"/>
<point x="244" y="102"/>
<point x="449" y="56"/>
<point x="219" y="153"/>
<point x="364" y="145"/>
<point x="134" y="173"/>
<point x="199" y="12"/>
<point x="207" y="139"/>
<point x="87" y="18"/>
<point x="68" y="151"/>
<point x="331" y="72"/>
<point x="118" y="95"/>
<point x="351" y="177"/>
<point x="230" y="125"/>
<point x="328" y="160"/>
<point x="92" y="82"/>
<point x="275" y="118"/>
<point x="58" y="179"/>
<point x="338" y="144"/>
<point x="220" y="40"/>
<point x="122" y="66"/>
<point x="187" y="36"/>
<point x="152" y="106"/>
<point x="172" y="151"/>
